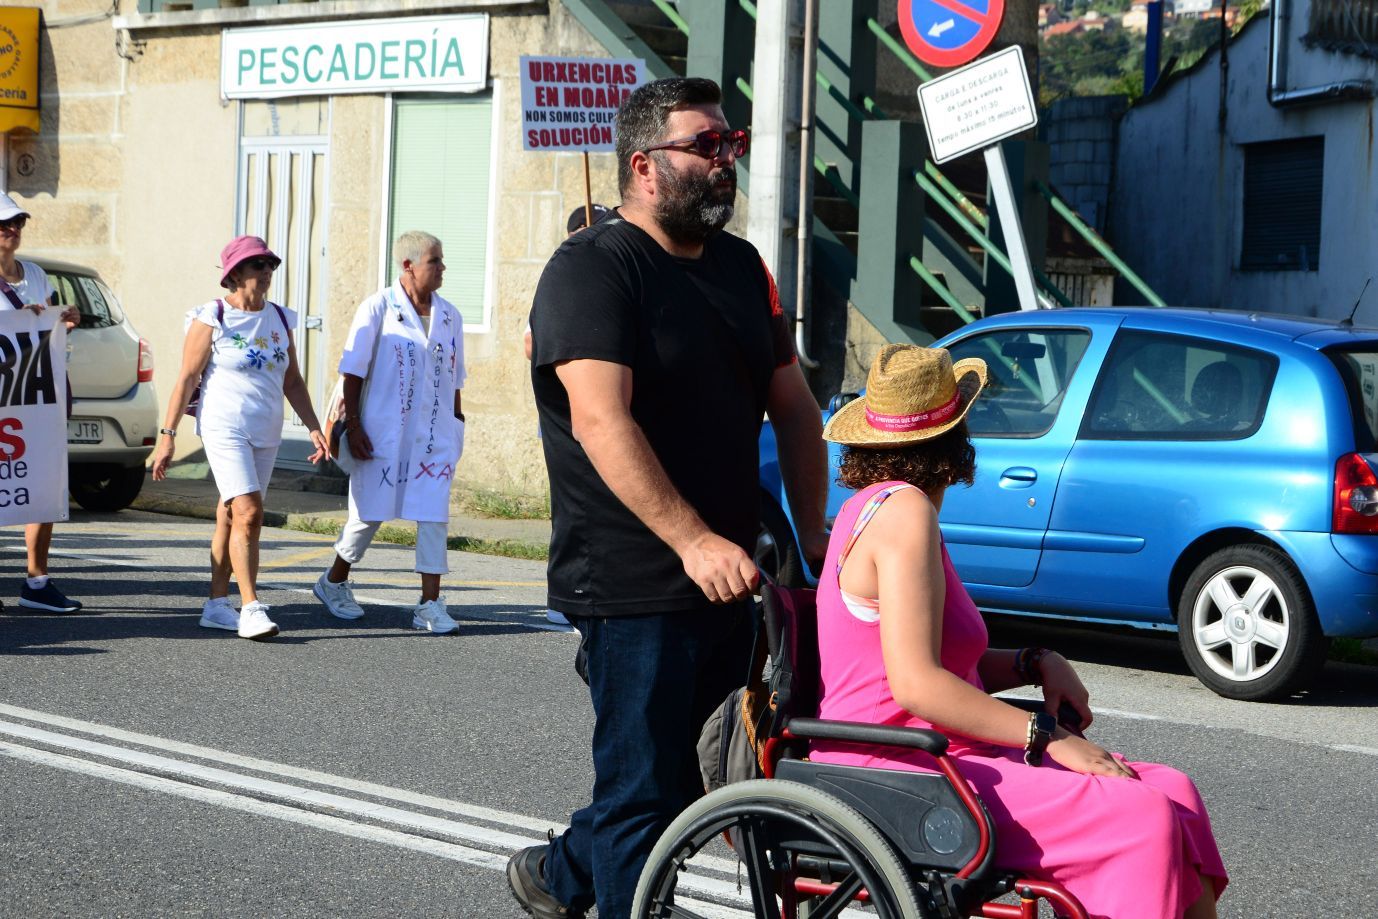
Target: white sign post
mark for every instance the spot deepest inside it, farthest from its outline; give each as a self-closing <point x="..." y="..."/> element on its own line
<point x="33" y="418"/>
<point x="977" y="107"/>
<point x="570" y="104"/>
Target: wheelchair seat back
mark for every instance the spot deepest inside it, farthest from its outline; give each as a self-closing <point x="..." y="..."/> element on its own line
<point x="790" y="619"/>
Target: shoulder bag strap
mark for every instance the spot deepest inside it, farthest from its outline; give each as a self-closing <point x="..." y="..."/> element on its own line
<point x="867" y="512"/>
<point x="11" y="293"/>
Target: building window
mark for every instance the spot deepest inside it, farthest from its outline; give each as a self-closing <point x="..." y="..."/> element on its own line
<point x="441" y="177"/>
<point x="1282" y="205"/>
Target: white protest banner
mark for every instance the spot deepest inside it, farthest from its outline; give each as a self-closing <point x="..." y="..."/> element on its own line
<point x="979" y="104"/>
<point x="570" y="103"/>
<point x="33" y="417"/>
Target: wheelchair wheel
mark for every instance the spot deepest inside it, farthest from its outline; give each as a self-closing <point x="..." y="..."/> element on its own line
<point x="777" y="827"/>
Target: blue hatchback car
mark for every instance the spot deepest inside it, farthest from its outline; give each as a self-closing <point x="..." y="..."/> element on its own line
<point x="1207" y="472"/>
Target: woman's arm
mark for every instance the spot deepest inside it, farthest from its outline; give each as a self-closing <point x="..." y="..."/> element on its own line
<point x="294" y="388"/>
<point x="912" y="595"/>
<point x="196" y="352"/>
<point x="999" y="671"/>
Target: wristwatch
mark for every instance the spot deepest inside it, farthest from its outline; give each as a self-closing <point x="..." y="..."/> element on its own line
<point x="1041" y="727"/>
<point x="168" y="431"/>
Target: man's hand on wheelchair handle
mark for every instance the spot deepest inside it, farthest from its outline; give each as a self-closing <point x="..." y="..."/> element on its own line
<point x="1062" y="687"/>
<point x="721" y="569"/>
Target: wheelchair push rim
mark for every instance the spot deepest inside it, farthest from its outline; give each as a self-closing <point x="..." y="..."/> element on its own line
<point x="776" y="823"/>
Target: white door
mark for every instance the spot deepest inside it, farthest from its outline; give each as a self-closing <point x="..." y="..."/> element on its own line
<point x="282" y="198"/>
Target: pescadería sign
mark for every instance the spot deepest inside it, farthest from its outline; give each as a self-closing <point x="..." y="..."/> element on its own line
<point x="418" y="54"/>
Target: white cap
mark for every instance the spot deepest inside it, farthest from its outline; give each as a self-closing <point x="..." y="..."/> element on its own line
<point x="9" y="210"/>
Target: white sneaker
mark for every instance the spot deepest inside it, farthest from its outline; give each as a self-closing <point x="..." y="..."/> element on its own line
<point x="338" y="598"/>
<point x="219" y="613"/>
<point x="254" y="621"/>
<point x="433" y="616"/>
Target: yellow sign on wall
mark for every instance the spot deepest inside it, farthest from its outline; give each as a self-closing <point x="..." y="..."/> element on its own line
<point x="19" y="68"/>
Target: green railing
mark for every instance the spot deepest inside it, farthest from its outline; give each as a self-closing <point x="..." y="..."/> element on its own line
<point x="966" y="214"/>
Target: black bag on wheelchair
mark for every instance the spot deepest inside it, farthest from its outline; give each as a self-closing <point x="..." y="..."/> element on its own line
<point x="731" y="745"/>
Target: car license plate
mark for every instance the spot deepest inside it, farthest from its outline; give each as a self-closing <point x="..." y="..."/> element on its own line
<point x="85" y="431"/>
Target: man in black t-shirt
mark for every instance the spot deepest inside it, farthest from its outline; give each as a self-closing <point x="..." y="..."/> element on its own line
<point x="659" y="345"/>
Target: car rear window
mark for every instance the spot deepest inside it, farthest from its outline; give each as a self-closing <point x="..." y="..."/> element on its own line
<point x="98" y="307"/>
<point x="1155" y="386"/>
<point x="1359" y="370"/>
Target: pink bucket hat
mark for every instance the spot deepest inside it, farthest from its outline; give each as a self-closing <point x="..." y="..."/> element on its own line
<point x="240" y="249"/>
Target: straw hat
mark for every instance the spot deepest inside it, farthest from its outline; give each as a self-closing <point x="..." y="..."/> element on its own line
<point x="912" y="394"/>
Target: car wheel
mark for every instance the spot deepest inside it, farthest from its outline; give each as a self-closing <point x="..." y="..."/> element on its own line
<point x="777" y="554"/>
<point x="1247" y="624"/>
<point x="106" y="488"/>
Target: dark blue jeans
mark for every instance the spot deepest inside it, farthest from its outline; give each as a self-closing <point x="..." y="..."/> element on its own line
<point x="653" y="680"/>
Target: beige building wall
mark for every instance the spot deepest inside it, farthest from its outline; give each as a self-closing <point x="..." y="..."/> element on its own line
<point x="134" y="173"/>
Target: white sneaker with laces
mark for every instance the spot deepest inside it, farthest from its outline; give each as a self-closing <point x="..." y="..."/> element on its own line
<point x="254" y="621"/>
<point x="219" y="613"/>
<point x="432" y="615"/>
<point x="338" y="599"/>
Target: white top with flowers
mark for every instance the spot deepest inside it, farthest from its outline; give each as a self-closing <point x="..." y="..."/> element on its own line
<point x="241" y="389"/>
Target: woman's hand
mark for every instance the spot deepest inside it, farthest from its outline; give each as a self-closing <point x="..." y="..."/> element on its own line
<point x="71" y="317"/>
<point x="322" y="448"/>
<point x="1062" y="685"/>
<point x="1080" y="755"/>
<point x="162" y="458"/>
<point x="360" y="447"/>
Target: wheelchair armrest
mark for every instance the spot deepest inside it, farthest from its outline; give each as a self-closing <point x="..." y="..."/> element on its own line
<point x="862" y="733"/>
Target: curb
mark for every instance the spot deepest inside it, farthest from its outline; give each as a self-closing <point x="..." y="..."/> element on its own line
<point x="177" y="507"/>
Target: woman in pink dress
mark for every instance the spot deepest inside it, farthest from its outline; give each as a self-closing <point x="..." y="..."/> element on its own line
<point x="902" y="644"/>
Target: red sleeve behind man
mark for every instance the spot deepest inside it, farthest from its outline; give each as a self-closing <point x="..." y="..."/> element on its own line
<point x="780" y="335"/>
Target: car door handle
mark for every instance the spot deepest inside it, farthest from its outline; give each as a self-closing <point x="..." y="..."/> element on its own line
<point x="1018" y="477"/>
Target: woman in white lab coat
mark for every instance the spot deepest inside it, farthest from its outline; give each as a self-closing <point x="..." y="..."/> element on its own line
<point x="403" y="370"/>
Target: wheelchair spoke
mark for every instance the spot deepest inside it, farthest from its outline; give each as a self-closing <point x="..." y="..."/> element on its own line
<point x="758" y="870"/>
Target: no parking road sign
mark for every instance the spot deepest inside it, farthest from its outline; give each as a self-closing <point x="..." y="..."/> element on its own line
<point x="949" y="33"/>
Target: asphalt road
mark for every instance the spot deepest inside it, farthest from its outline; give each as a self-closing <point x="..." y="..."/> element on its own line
<point x="153" y="768"/>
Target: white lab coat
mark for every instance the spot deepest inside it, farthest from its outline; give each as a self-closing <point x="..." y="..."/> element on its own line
<point x="407" y="408"/>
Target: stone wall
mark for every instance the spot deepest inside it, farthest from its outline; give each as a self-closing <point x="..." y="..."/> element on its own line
<point x="1080" y="133"/>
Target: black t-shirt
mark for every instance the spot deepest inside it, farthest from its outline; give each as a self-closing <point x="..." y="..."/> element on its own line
<point x="702" y="338"/>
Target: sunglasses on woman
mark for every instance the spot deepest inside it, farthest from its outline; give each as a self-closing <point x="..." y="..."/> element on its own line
<point x="709" y="144"/>
<point x="258" y="264"/>
<point x="14" y="223"/>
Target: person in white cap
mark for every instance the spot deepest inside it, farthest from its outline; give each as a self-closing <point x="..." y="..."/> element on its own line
<point x="239" y="349"/>
<point x="403" y="370"/>
<point x="25" y="286"/>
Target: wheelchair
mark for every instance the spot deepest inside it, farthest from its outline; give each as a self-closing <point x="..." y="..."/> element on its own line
<point x="815" y="839"/>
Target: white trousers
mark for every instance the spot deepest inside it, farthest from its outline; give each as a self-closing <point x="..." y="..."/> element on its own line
<point x="430" y="544"/>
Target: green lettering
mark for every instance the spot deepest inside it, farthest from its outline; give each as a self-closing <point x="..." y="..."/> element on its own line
<point x="337" y="63"/>
<point x="359" y="72"/>
<point x="388" y="55"/>
<point x="246" y="62"/>
<point x="306" y="64"/>
<point x="265" y="64"/>
<point x="290" y="65"/>
<point x="416" y="54"/>
<point x="452" y="59"/>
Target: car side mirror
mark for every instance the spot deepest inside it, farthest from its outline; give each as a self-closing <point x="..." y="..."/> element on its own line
<point x="840" y="399"/>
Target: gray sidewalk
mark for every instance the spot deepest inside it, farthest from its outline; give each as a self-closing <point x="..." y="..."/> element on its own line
<point x="291" y="503"/>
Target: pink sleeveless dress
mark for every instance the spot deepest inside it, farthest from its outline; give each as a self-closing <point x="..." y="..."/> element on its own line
<point x="1126" y="849"/>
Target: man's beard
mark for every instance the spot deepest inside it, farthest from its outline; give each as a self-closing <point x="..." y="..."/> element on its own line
<point x="692" y="207"/>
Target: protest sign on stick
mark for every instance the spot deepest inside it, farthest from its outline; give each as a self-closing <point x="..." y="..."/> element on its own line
<point x="570" y="104"/>
<point x="33" y="417"/>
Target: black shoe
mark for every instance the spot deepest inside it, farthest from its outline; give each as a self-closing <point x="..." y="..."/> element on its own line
<point x="525" y="875"/>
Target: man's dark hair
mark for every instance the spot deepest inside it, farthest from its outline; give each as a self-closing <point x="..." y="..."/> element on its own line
<point x="642" y="117"/>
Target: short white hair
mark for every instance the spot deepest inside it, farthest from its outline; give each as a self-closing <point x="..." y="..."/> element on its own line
<point x="412" y="245"/>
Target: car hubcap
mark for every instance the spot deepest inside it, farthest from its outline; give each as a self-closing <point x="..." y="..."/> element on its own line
<point x="1241" y="623"/>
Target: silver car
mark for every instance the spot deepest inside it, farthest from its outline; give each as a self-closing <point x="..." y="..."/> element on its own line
<point x="114" y="422"/>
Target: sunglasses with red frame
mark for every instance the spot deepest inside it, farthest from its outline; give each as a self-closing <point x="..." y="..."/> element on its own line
<point x="709" y="144"/>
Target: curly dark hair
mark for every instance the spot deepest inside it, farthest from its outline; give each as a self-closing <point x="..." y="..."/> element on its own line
<point x="929" y="464"/>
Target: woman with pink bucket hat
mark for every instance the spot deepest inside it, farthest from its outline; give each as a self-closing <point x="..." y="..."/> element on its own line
<point x="238" y="362"/>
